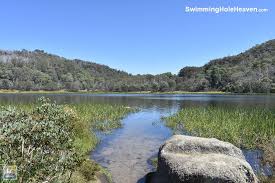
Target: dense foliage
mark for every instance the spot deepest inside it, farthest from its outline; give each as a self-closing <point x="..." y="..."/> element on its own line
<point x="37" y="70"/>
<point x="39" y="142"/>
<point x="251" y="71"/>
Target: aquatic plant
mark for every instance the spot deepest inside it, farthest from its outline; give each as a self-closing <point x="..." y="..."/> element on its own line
<point x="245" y="127"/>
<point x="103" y="117"/>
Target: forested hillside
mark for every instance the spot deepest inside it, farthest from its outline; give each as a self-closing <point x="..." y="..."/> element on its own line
<point x="37" y="70"/>
<point x="251" y="71"/>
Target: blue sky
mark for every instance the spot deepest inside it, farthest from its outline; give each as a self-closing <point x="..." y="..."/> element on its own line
<point x="137" y="36"/>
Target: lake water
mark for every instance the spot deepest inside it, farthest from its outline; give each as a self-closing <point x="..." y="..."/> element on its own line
<point x="125" y="151"/>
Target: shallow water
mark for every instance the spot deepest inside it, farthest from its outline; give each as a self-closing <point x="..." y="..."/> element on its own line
<point x="125" y="152"/>
<point x="254" y="158"/>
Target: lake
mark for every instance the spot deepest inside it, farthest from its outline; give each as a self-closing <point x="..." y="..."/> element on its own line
<point x="125" y="151"/>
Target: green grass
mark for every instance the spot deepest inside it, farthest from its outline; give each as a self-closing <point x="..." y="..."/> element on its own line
<point x="245" y="127"/>
<point x="102" y="117"/>
<point x="96" y="117"/>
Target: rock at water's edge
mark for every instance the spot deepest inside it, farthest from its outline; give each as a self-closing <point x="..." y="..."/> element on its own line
<point x="201" y="160"/>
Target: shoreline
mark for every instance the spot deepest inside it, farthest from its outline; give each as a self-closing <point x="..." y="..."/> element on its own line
<point x="134" y="92"/>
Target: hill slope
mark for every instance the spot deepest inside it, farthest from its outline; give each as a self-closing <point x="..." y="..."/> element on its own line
<point x="37" y="70"/>
<point x="251" y="71"/>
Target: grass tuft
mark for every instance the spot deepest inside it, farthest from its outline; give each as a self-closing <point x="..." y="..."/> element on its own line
<point x="244" y="127"/>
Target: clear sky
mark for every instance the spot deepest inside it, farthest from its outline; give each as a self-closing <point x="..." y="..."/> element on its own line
<point x="137" y="36"/>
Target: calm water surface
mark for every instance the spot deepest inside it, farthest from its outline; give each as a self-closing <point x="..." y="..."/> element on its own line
<point x="125" y="152"/>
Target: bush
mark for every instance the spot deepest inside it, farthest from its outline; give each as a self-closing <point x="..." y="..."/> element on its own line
<point x="39" y="142"/>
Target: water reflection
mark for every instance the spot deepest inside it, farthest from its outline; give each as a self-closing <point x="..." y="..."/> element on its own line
<point x="147" y="100"/>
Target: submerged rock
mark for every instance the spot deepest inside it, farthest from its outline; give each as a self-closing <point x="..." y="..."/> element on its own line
<point x="198" y="160"/>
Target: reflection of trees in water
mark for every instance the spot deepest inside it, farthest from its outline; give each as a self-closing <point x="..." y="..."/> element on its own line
<point x="161" y="102"/>
<point x="137" y="101"/>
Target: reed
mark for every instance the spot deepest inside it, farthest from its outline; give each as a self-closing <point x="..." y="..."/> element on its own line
<point x="244" y="127"/>
<point x="96" y="117"/>
<point x="103" y="117"/>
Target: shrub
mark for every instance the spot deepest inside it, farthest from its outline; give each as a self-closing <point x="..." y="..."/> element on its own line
<point x="39" y="142"/>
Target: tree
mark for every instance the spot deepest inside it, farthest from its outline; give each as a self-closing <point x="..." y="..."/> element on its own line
<point x="5" y="84"/>
<point x="172" y="84"/>
<point x="163" y="86"/>
<point x="155" y="86"/>
<point x="214" y="76"/>
<point x="73" y="86"/>
<point x="188" y="72"/>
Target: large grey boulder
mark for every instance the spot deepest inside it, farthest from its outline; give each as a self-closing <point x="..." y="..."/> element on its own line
<point x="198" y="160"/>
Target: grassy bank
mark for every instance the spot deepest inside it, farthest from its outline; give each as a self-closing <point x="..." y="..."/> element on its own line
<point x="250" y="128"/>
<point x="87" y="118"/>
